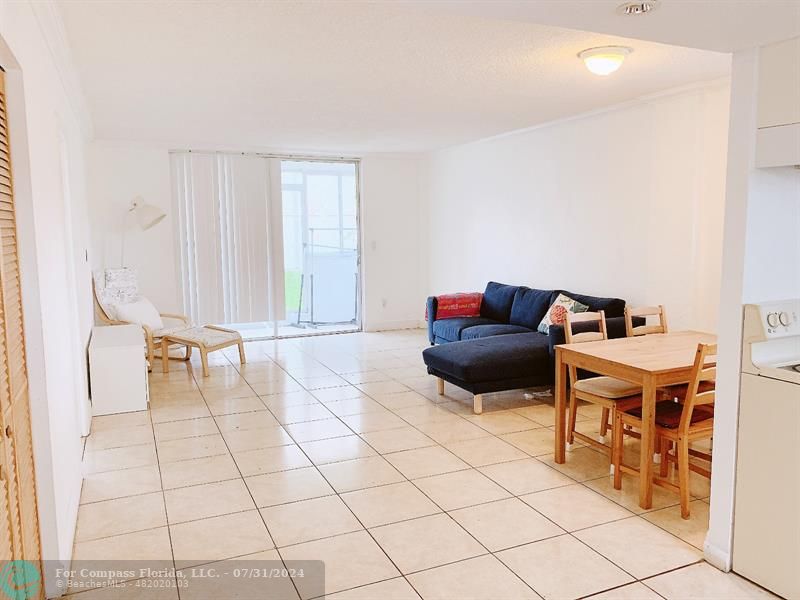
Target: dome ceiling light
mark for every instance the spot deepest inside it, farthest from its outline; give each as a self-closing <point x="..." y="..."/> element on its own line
<point x="604" y="60"/>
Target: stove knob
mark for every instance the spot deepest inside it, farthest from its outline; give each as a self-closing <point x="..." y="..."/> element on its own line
<point x="772" y="319"/>
<point x="785" y="318"/>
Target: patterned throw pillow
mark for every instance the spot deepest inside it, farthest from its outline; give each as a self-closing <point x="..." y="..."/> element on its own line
<point x="115" y="287"/>
<point x="121" y="284"/>
<point x="557" y="313"/>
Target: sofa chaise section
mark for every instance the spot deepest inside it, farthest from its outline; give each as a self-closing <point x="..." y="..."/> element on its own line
<point x="491" y="364"/>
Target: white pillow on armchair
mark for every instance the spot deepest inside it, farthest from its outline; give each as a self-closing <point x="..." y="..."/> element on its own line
<point x="141" y="311"/>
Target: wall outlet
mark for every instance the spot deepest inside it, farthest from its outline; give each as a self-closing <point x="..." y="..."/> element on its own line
<point x="384" y="302"/>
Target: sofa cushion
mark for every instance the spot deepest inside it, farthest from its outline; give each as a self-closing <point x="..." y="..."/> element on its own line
<point x="613" y="307"/>
<point x="529" y="307"/>
<point x="497" y="300"/>
<point x="492" y="358"/>
<point x="480" y="331"/>
<point x="450" y="329"/>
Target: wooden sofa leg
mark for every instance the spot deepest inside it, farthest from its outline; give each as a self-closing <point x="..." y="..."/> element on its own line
<point x="440" y="386"/>
<point x="477" y="404"/>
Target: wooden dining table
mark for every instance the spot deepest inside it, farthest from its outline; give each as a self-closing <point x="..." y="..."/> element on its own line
<point x="651" y="361"/>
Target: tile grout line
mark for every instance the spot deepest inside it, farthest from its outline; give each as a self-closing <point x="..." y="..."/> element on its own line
<point x="164" y="501"/>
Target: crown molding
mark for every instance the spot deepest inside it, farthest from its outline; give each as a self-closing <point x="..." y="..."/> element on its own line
<point x="719" y="82"/>
<point x="48" y="16"/>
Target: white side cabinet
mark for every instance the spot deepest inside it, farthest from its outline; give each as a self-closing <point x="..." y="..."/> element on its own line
<point x="118" y="370"/>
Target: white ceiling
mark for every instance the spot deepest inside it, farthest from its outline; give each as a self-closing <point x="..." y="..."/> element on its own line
<point x="720" y="25"/>
<point x="346" y="76"/>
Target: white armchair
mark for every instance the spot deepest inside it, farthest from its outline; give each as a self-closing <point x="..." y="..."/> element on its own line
<point x="114" y="287"/>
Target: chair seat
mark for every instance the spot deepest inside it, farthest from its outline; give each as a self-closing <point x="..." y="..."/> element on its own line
<point x="668" y="414"/>
<point x="679" y="391"/>
<point x="608" y="387"/>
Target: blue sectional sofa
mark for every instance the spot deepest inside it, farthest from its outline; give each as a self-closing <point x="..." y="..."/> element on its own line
<point x="502" y="349"/>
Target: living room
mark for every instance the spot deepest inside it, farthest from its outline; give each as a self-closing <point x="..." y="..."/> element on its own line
<point x="359" y="243"/>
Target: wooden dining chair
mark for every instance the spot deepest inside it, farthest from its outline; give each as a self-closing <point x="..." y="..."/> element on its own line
<point x="678" y="424"/>
<point x="632" y="330"/>
<point x="608" y="392"/>
<point x="644" y="312"/>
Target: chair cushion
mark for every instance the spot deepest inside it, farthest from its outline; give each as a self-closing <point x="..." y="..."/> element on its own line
<point x="529" y="306"/>
<point x="492" y="358"/>
<point x="168" y="331"/>
<point x="679" y="391"/>
<point x="142" y="312"/>
<point x="608" y="387"/>
<point x="612" y="307"/>
<point x="668" y="414"/>
<point x="497" y="301"/>
<point x="450" y="329"/>
<point x="480" y="331"/>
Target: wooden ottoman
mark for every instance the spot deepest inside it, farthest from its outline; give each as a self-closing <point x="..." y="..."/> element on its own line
<point x="206" y="339"/>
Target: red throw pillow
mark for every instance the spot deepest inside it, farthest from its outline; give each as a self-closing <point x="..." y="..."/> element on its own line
<point x="458" y="305"/>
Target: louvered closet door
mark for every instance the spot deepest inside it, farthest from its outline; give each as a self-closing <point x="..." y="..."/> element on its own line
<point x="17" y="476"/>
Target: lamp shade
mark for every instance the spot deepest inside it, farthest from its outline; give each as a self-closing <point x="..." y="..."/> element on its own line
<point x="147" y="215"/>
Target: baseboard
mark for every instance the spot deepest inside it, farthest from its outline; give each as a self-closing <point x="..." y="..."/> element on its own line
<point x="393" y="325"/>
<point x="717" y="557"/>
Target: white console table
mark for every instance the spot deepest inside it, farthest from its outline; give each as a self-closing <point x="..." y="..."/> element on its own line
<point x="118" y="370"/>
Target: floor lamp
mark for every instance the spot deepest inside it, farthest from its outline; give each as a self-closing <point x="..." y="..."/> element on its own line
<point x="147" y="216"/>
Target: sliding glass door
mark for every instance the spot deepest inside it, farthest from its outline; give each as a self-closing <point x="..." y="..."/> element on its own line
<point x="267" y="246"/>
<point x="320" y="246"/>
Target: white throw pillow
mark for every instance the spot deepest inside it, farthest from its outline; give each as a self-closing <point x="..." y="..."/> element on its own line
<point x="142" y="312"/>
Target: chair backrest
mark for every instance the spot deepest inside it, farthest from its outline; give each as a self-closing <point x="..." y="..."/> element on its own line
<point x="585" y="336"/>
<point x="645" y="311"/>
<point x="702" y="385"/>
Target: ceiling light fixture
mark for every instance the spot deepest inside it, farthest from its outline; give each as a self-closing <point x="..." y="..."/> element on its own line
<point x="633" y="9"/>
<point x="605" y="59"/>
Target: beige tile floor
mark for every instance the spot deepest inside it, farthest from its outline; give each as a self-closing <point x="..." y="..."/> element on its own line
<point x="338" y="448"/>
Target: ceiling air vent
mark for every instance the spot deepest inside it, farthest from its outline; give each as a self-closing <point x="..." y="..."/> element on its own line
<point x="637" y="8"/>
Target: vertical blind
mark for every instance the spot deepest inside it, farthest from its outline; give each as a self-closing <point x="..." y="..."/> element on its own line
<point x="230" y="262"/>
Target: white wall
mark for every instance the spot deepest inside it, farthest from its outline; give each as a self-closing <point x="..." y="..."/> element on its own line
<point x="119" y="172"/>
<point x="389" y="220"/>
<point x="394" y="245"/>
<point x="627" y="202"/>
<point x="761" y="262"/>
<point x="48" y="127"/>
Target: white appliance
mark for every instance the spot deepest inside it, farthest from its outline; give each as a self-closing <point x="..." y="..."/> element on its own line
<point x="766" y="527"/>
<point x="118" y="369"/>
